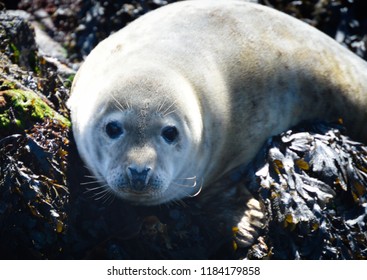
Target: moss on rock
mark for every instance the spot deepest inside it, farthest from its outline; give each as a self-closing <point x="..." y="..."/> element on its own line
<point x="20" y="109"/>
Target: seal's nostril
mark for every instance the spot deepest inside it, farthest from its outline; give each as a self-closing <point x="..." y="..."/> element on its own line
<point x="138" y="178"/>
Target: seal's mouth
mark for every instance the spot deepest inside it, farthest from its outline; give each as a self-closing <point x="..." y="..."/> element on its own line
<point x="141" y="198"/>
<point x="147" y="195"/>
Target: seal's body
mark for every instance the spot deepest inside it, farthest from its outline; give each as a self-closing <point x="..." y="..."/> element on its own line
<point x="188" y="92"/>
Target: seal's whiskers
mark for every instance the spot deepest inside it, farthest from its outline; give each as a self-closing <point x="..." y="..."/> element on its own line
<point x="92" y="182"/>
<point x="118" y="104"/>
<point x="199" y="190"/>
<point x="160" y="107"/>
<point x="167" y="110"/>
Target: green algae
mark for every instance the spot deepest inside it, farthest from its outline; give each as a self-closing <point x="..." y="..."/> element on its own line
<point x="16" y="53"/>
<point x="20" y="109"/>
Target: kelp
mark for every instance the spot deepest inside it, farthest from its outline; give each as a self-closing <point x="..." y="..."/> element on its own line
<point x="313" y="182"/>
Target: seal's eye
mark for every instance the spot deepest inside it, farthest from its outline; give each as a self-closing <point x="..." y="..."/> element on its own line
<point x="170" y="134"/>
<point x="114" y="129"/>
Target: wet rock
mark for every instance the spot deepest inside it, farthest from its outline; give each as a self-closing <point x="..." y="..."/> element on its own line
<point x="312" y="181"/>
<point x="33" y="148"/>
<point x="17" y="38"/>
<point x="33" y="192"/>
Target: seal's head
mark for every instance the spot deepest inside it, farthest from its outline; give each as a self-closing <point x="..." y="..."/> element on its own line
<point x="137" y="133"/>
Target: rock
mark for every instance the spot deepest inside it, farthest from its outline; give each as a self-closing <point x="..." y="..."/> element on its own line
<point x="17" y="37"/>
<point x="46" y="45"/>
<point x="33" y="148"/>
<point x="313" y="184"/>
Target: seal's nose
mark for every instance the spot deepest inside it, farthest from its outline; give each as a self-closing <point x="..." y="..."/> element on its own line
<point x="138" y="178"/>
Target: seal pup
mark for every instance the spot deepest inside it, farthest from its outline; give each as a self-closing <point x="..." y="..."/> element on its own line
<point x="188" y="92"/>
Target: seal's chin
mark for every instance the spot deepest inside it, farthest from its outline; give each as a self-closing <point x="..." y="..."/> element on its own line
<point x="150" y="197"/>
<point x="141" y="198"/>
<point x="147" y="195"/>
